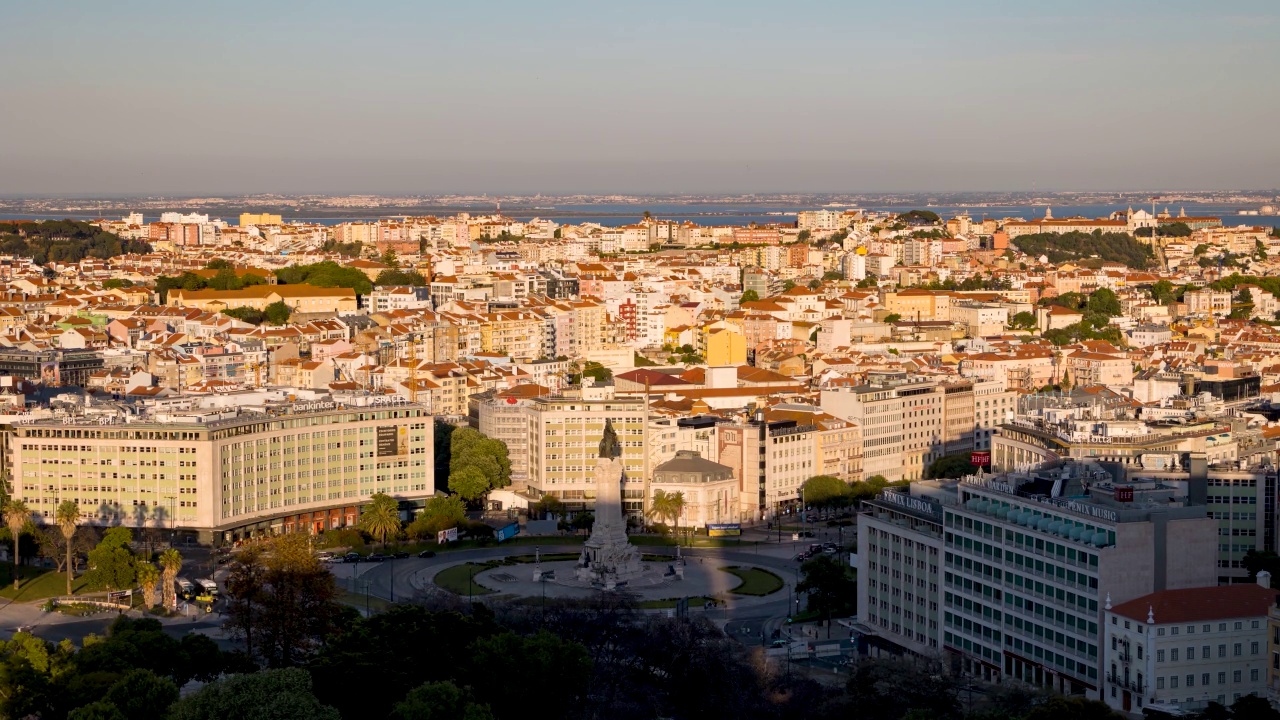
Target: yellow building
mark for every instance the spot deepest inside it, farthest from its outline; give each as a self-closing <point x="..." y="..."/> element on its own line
<point x="247" y="219"/>
<point x="725" y="347"/>
<point x="300" y="298"/>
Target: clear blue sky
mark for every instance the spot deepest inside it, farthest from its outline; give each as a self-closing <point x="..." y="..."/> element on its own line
<point x="682" y="96"/>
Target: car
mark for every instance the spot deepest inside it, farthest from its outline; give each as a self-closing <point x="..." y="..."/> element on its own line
<point x="352" y="557"/>
<point x="779" y="643"/>
<point x="399" y="555"/>
<point x="376" y="557"/>
<point x="333" y="560"/>
<point x="427" y="554"/>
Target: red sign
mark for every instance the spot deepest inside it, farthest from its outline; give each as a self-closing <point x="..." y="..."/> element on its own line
<point x="1124" y="494"/>
<point x="980" y="458"/>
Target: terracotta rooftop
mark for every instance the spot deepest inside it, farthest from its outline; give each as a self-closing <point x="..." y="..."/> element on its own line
<point x="1200" y="604"/>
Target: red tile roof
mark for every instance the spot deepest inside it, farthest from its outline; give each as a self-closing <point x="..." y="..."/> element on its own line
<point x="1199" y="604"/>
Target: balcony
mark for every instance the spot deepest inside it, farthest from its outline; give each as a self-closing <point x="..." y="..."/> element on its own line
<point x="1131" y="685"/>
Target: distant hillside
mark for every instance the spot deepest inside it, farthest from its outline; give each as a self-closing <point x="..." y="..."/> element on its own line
<point x="63" y="241"/>
<point x="1109" y="247"/>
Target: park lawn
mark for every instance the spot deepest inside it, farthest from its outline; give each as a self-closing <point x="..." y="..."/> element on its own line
<point x="755" y="581"/>
<point x="546" y="557"/>
<point x="457" y="579"/>
<point x="37" y="584"/>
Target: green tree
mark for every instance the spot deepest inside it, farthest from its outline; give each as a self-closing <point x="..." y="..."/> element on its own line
<point x="803" y="236"/>
<point x="825" y="491"/>
<point x="277" y="313"/>
<point x="439" y="701"/>
<point x="284" y="694"/>
<point x="508" y="669"/>
<point x="1023" y="321"/>
<point x="598" y="372"/>
<point x="951" y="466"/>
<point x="253" y="316"/>
<point x="381" y="517"/>
<point x="68" y="517"/>
<point x="1242" y="309"/>
<point x="469" y="483"/>
<point x="170" y="564"/>
<point x="815" y="284"/>
<point x="869" y="281"/>
<point x="117" y="284"/>
<point x="390" y="259"/>
<point x="1200" y="249"/>
<point x="749" y="296"/>
<point x="892" y="318"/>
<point x="548" y="505"/>
<point x="439" y="513"/>
<point x="831" y="587"/>
<point x="143" y="695"/>
<point x="1103" y="301"/>
<point x="100" y="710"/>
<point x="1256" y="561"/>
<point x="17" y="517"/>
<point x="1162" y="291"/>
<point x="400" y="277"/>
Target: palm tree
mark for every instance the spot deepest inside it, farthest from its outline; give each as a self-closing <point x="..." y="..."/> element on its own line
<point x="68" y="516"/>
<point x="148" y="578"/>
<point x="171" y="561"/>
<point x="17" y="516"/>
<point x="669" y="506"/>
<point x="381" y="517"/>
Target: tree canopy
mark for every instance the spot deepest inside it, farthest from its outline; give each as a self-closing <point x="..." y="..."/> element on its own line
<point x="400" y="277"/>
<point x="65" y="241"/>
<point x="111" y="564"/>
<point x="326" y="274"/>
<point x="1110" y="247"/>
<point x="477" y="464"/>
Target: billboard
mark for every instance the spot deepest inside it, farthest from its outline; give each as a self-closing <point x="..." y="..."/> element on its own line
<point x="393" y="440"/>
<point x="724" y="530"/>
<point x="508" y="532"/>
<point x="980" y="458"/>
<point x="445" y="536"/>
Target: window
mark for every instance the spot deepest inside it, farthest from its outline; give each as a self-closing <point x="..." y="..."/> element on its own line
<point x="1222" y="678"/>
<point x="1235" y="676"/>
<point x="1159" y="683"/>
<point x="1253" y="648"/>
<point x="1204" y="678"/>
<point x="1159" y="656"/>
<point x="1204" y="652"/>
<point x="1237" y="650"/>
<point x="1253" y="675"/>
<point x="1191" y="681"/>
<point x="1173" y="682"/>
<point x="1173" y="655"/>
<point x="1191" y="653"/>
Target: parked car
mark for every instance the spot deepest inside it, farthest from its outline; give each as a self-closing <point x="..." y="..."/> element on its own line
<point x="376" y="557"/>
<point x="427" y="554"/>
<point x="352" y="557"/>
<point x="399" y="555"/>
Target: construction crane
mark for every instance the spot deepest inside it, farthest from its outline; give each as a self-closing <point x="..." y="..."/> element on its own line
<point x="413" y="370"/>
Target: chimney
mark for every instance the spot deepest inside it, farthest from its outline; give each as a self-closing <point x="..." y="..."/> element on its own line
<point x="1264" y="579"/>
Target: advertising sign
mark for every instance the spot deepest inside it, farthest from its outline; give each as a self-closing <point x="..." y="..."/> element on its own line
<point x="508" y="532"/>
<point x="392" y="440"/>
<point x="980" y="458"/>
<point x="445" y="536"/>
<point x="724" y="530"/>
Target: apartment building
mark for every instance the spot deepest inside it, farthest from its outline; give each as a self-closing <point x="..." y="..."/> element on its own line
<point x="903" y="421"/>
<point x="563" y="439"/>
<point x="1179" y="650"/>
<point x="772" y="457"/>
<point x="222" y="473"/>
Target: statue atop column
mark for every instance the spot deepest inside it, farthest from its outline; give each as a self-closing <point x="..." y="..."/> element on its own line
<point x="609" y="446"/>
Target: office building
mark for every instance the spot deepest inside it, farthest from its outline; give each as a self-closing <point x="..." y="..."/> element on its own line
<point x="225" y="472"/>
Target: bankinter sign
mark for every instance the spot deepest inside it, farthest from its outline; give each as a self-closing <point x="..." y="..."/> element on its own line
<point x="392" y="440"/>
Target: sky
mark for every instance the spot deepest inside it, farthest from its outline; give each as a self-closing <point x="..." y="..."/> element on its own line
<point x="682" y="96"/>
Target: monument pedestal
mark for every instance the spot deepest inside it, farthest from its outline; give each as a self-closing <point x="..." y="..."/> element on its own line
<point x="608" y="557"/>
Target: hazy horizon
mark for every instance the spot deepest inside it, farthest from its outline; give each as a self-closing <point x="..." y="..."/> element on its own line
<point x="659" y="99"/>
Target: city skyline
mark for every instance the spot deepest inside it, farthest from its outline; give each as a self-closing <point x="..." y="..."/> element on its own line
<point x="821" y="97"/>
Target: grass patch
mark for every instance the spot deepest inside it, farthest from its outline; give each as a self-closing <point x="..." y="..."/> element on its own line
<point x="755" y="581"/>
<point x="37" y="584"/>
<point x="358" y="600"/>
<point x="458" y="579"/>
